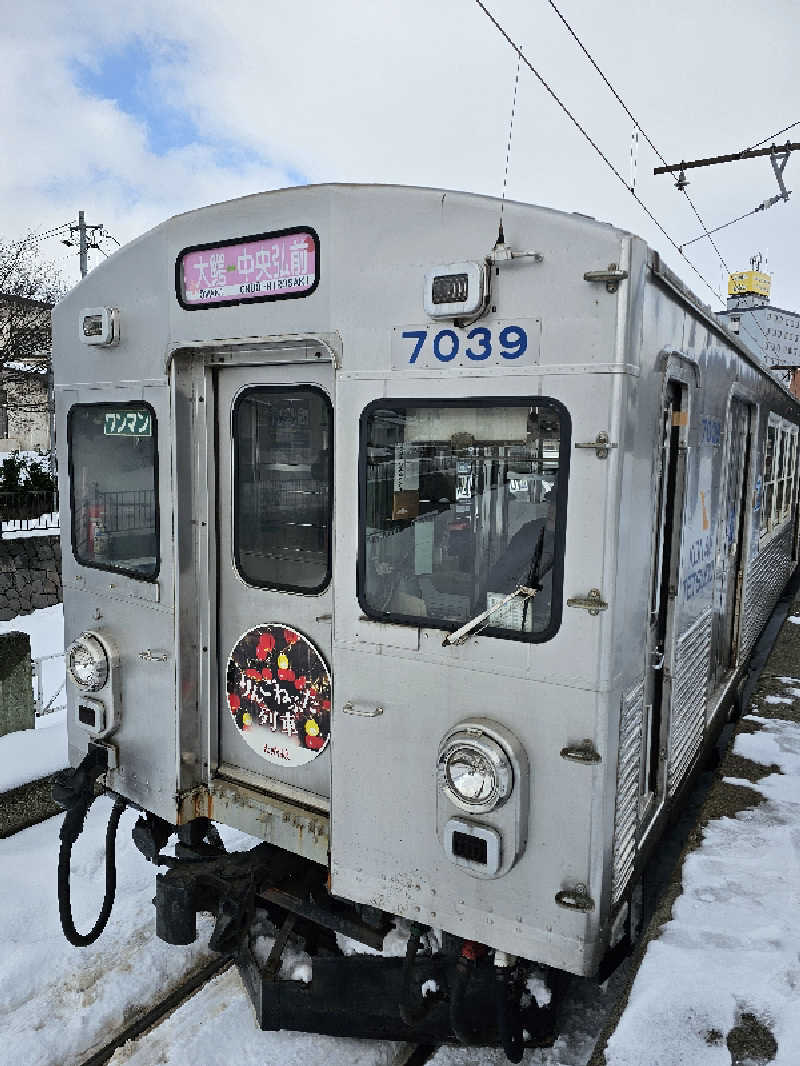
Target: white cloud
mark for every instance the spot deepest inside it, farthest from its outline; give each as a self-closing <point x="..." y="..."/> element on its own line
<point x="411" y="93"/>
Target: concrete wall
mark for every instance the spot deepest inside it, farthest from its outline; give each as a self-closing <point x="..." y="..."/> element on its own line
<point x="30" y="575"/>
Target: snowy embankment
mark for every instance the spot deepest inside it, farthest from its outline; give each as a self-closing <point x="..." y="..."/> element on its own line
<point x="33" y="753"/>
<point x="725" y="970"/>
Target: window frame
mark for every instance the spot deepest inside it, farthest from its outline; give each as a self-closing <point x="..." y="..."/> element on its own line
<point x="559" y="543"/>
<point x="135" y="575"/>
<point x="240" y="397"/>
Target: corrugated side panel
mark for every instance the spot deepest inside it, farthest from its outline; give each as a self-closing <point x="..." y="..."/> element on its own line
<point x="691" y="665"/>
<point x="626" y="819"/>
<point x="766" y="576"/>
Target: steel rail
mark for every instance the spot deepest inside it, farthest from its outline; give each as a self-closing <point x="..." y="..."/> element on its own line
<point x="157" y="1013"/>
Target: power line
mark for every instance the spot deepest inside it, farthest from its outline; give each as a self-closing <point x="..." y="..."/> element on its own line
<point x="597" y="149"/>
<point x="638" y="125"/>
<point x="761" y="207"/>
<point x="771" y="136"/>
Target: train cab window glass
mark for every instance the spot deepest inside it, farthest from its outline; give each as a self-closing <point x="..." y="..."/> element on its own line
<point x="113" y="487"/>
<point x="282" y="439"/>
<point x="461" y="503"/>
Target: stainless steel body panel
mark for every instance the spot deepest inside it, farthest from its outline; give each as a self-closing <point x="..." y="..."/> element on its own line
<point x="617" y="361"/>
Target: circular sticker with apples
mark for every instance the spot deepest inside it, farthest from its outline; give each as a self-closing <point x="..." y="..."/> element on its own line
<point x="279" y="694"/>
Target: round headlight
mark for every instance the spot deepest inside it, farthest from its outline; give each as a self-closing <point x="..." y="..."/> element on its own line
<point x="470" y="775"/>
<point x="475" y="772"/>
<point x="87" y="663"/>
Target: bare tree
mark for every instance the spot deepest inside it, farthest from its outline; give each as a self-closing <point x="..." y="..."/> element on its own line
<point x="29" y="287"/>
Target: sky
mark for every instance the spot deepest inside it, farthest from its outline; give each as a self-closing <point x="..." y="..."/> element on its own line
<point x="137" y="112"/>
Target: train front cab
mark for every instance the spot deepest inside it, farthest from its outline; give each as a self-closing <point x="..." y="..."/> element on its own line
<point x="315" y="497"/>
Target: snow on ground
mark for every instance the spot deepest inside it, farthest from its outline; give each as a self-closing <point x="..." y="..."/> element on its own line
<point x="32" y="753"/>
<point x="58" y="1002"/>
<point x="45" y="627"/>
<point x="732" y="947"/>
<point x="217" y="1028"/>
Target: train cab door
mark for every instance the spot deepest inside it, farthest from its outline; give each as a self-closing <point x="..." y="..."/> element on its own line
<point x="731" y="537"/>
<point x="669" y="510"/>
<point x="274" y="429"/>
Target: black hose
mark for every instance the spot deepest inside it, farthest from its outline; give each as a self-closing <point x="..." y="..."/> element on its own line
<point x="509" y="1020"/>
<point x="68" y="837"/>
<point x="458" y="990"/>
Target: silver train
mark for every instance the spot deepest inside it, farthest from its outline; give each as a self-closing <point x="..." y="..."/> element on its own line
<point x="427" y="554"/>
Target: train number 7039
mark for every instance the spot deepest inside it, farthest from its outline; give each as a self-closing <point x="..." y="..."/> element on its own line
<point x="480" y="344"/>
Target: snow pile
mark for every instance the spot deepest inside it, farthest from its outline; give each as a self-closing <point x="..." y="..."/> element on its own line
<point x="33" y="753"/>
<point x="46" y="525"/>
<point x="730" y="955"/>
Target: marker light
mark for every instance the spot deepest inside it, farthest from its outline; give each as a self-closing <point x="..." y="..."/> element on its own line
<point x="455" y="290"/>
<point x="99" y="325"/>
<point x="87" y="663"/>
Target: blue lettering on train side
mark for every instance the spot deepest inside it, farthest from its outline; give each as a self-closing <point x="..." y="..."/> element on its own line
<point x="510" y="343"/>
<point x="712" y="432"/>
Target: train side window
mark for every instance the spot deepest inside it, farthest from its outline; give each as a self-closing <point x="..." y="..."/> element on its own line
<point x="113" y="487"/>
<point x="462" y="501"/>
<point x="779" y="474"/>
<point x="283" y="473"/>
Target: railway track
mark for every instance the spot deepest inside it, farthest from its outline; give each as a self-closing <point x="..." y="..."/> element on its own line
<point x="417" y="1055"/>
<point x="156" y="1014"/>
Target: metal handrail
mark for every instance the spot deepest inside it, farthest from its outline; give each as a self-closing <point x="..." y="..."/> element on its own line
<point x="43" y="708"/>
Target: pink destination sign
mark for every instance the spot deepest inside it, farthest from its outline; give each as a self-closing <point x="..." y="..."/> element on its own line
<point x="266" y="267"/>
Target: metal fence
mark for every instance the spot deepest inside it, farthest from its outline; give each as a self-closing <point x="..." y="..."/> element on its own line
<point x="121" y="511"/>
<point x="43" y="708"/>
<point x="23" y="511"/>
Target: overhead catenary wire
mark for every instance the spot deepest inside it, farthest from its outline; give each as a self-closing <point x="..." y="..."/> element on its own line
<point x="594" y="145"/>
<point x="639" y="127"/>
<point x="725" y="225"/>
<point x="772" y="136"/>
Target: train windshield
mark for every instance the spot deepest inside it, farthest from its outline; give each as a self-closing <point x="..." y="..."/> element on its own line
<point x="112" y="461"/>
<point x="461" y="504"/>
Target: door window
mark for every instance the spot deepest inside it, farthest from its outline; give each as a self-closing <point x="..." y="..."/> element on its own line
<point x="461" y="503"/>
<point x="282" y="487"/>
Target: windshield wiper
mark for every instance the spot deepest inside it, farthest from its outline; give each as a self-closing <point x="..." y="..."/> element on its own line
<point x="480" y="620"/>
<point x="534" y="578"/>
<point x="526" y="592"/>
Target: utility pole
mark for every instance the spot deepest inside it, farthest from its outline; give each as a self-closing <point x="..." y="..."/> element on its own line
<point x="83" y="251"/>
<point x="84" y="244"/>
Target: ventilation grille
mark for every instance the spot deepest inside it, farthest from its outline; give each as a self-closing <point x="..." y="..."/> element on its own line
<point x="626" y="819"/>
<point x="766" y="576"/>
<point x="691" y="665"/>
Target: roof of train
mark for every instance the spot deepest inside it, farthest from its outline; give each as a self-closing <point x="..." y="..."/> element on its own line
<point x="656" y="264"/>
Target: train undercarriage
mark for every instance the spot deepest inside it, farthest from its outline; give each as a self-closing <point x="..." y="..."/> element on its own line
<point x="271" y="907"/>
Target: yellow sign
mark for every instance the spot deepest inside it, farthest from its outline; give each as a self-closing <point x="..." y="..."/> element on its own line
<point x="749" y="281"/>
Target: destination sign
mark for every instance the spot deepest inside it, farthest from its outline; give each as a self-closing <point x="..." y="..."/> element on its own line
<point x="266" y="266"/>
